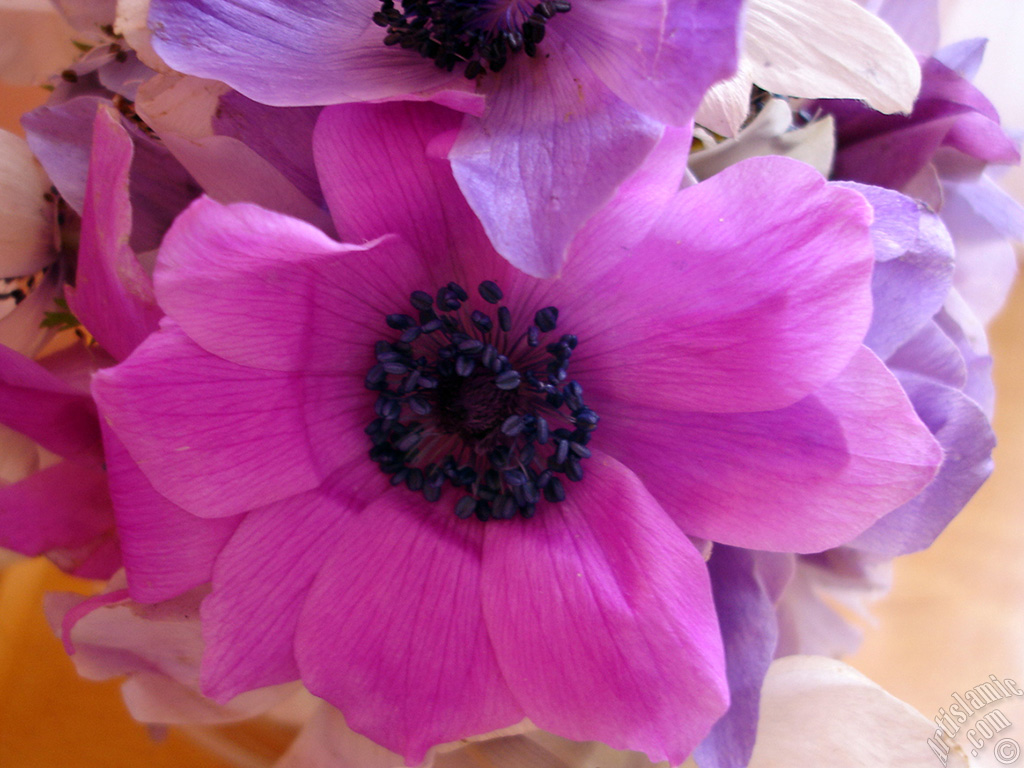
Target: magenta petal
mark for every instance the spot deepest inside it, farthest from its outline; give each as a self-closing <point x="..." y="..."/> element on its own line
<point x="44" y="407"/>
<point x="65" y="506"/>
<point x="734" y="301"/>
<point x="214" y="437"/>
<point x="392" y="632"/>
<point x="551" y="149"/>
<point x="800" y="479"/>
<point x="601" y="614"/>
<point x="99" y="559"/>
<point x="260" y="581"/>
<point x="166" y="550"/>
<point x="112" y="295"/>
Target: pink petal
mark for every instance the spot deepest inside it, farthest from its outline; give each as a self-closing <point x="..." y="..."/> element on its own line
<point x="310" y="303"/>
<point x="166" y="550"/>
<point x="112" y="295"/>
<point x="405" y="186"/>
<point x="601" y="615"/>
<point x="218" y="438"/>
<point x="804" y="478"/>
<point x="392" y="632"/>
<point x="261" y="579"/>
<point x="734" y="301"/>
<point x="551" y="149"/>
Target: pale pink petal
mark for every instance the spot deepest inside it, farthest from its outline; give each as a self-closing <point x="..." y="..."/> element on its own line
<point x="34" y="42"/>
<point x="802" y="479"/>
<point x="21" y="329"/>
<point x="392" y="632"/>
<point x="183" y="110"/>
<point x="601" y="615"/>
<point x="809" y="624"/>
<point x="727" y="103"/>
<point x="326" y="741"/>
<point x="157" y="646"/>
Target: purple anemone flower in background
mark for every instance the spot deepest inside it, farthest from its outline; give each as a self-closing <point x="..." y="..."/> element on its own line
<point x="939" y="154"/>
<point x="949" y="387"/>
<point x="565" y="101"/>
<point x="448" y="495"/>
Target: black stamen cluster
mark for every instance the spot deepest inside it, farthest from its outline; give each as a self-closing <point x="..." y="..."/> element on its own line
<point x="460" y="402"/>
<point x="454" y="32"/>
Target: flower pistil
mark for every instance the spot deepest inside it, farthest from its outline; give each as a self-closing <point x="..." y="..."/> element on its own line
<point x="481" y="35"/>
<point x="484" y="412"/>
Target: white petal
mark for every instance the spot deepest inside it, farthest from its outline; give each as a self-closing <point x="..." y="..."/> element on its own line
<point x="25" y="224"/>
<point x="131" y="23"/>
<point x="819" y="711"/>
<point x="727" y="102"/>
<point x="829" y="49"/>
<point x="769" y="134"/>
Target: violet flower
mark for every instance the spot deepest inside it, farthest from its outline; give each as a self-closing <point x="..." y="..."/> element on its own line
<point x="576" y="94"/>
<point x="515" y="544"/>
<point x="939" y="154"/>
<point x="949" y="388"/>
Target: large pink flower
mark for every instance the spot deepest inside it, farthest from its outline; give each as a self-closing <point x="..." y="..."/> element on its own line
<point x="516" y="544"/>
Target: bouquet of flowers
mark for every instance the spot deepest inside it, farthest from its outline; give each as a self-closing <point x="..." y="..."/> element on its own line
<point x="507" y="383"/>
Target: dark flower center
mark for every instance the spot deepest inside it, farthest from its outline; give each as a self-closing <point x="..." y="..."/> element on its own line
<point x="481" y="34"/>
<point x="461" y="402"/>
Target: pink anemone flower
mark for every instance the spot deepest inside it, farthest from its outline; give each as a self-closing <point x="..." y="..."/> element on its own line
<point x="448" y="495"/>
